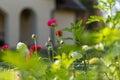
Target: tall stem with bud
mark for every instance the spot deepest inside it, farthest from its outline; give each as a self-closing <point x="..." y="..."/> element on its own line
<point x="35" y="42"/>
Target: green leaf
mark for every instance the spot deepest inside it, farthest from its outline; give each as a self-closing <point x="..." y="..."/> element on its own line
<point x="67" y="29"/>
<point x="117" y="18"/>
<point x="35" y="66"/>
<point x="68" y="38"/>
<point x="95" y="18"/>
<point x="8" y="74"/>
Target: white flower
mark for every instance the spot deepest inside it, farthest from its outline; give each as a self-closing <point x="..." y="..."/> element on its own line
<point x="22" y="47"/>
<point x="56" y="78"/>
<point x="57" y="62"/>
<point x="85" y="47"/>
<point x="99" y="46"/>
<point x="76" y="55"/>
<point x="72" y="77"/>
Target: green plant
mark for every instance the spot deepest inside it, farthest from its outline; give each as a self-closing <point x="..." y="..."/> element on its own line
<point x="94" y="56"/>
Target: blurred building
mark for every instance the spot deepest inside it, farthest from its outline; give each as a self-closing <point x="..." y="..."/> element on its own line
<point x="20" y="19"/>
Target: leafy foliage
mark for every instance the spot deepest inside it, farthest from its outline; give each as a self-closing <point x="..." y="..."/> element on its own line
<point x="35" y="66"/>
<point x="94" y="56"/>
<point x="95" y="18"/>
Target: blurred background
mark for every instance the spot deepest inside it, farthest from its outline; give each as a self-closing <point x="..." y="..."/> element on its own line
<point x="20" y="19"/>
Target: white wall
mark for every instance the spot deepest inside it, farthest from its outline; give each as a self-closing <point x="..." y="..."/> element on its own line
<point x="13" y="8"/>
<point x="65" y="18"/>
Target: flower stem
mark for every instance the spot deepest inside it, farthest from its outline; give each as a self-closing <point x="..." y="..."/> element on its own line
<point x="107" y="76"/>
<point x="35" y="43"/>
<point x="49" y="56"/>
<point x="52" y="55"/>
<point x="85" y="66"/>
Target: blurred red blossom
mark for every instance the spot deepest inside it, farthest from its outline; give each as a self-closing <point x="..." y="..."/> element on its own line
<point x="32" y="50"/>
<point x="59" y="33"/>
<point x="37" y="47"/>
<point x="4" y="47"/>
<point x="52" y="22"/>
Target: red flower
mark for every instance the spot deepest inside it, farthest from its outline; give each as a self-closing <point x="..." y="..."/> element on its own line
<point x="52" y="22"/>
<point x="59" y="33"/>
<point x="4" y="47"/>
<point x="33" y="48"/>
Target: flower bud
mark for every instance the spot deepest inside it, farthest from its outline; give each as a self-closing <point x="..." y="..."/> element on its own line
<point x="46" y="44"/>
<point x="99" y="46"/>
<point x="34" y="36"/>
<point x="50" y="48"/>
<point x="85" y="62"/>
<point x="61" y="41"/>
<point x="85" y="47"/>
<point x="94" y="60"/>
<point x="49" y="39"/>
<point x="76" y="55"/>
<point x="59" y="33"/>
<point x="117" y="63"/>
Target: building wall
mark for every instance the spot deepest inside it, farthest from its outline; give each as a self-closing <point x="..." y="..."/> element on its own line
<point x="13" y="9"/>
<point x="16" y="29"/>
<point x="64" y="19"/>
